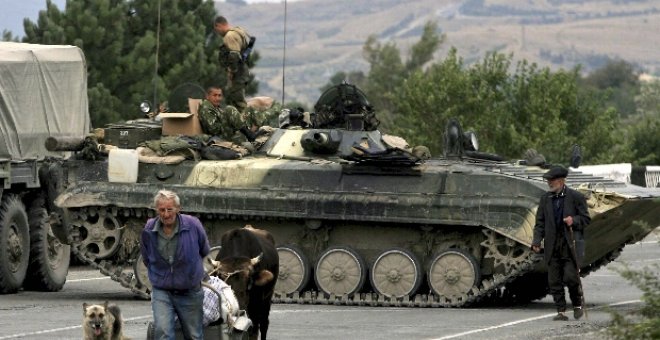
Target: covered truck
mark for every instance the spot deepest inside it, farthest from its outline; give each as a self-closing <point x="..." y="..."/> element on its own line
<point x="43" y="93"/>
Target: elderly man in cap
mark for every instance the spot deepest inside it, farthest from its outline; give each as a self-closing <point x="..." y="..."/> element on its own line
<point x="560" y="220"/>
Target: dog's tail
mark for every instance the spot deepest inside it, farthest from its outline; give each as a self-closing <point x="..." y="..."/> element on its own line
<point x="119" y="322"/>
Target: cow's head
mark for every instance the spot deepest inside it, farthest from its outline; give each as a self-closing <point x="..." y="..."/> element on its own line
<point x="240" y="274"/>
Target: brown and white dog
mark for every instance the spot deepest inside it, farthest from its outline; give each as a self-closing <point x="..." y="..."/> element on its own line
<point x="102" y="322"/>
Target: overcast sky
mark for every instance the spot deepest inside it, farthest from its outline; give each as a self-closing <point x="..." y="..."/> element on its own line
<point x="12" y="12"/>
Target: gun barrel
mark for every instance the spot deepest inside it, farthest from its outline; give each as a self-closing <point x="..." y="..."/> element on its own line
<point x="64" y="143"/>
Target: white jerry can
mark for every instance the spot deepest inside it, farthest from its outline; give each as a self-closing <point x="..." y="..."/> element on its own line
<point x="123" y="165"/>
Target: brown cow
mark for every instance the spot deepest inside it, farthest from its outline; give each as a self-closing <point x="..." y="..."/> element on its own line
<point x="249" y="263"/>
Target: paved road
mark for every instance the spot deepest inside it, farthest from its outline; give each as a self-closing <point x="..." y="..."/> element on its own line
<point x="34" y="315"/>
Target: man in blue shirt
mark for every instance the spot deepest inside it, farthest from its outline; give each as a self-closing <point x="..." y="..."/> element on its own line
<point x="173" y="246"/>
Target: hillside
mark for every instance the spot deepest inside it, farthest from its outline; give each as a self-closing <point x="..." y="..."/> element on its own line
<point x="324" y="37"/>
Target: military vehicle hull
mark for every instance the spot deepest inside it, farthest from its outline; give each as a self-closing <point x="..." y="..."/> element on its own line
<point x="445" y="232"/>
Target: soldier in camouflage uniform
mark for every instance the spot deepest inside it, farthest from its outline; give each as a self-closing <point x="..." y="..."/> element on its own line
<point x="235" y="41"/>
<point x="224" y="121"/>
<point x="217" y="120"/>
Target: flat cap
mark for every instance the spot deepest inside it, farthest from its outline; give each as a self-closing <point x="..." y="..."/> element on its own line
<point x="556" y="172"/>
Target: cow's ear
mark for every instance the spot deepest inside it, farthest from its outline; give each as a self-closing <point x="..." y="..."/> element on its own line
<point x="264" y="277"/>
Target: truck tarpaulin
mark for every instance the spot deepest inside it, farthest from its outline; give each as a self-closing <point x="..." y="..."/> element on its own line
<point x="43" y="93"/>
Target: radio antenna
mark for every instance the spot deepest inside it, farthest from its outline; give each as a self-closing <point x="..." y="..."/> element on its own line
<point x="156" y="105"/>
<point x="284" y="57"/>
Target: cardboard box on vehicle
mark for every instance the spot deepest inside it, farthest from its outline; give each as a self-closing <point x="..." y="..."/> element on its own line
<point x="183" y="123"/>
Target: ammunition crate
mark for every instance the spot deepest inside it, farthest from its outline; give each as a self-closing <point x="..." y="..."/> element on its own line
<point x="130" y="136"/>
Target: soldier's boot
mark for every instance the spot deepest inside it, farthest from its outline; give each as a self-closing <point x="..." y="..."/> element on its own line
<point x="560" y="317"/>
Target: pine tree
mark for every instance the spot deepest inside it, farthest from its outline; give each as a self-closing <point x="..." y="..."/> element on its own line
<point x="135" y="50"/>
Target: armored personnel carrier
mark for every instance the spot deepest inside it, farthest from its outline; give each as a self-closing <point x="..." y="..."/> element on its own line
<point x="359" y="217"/>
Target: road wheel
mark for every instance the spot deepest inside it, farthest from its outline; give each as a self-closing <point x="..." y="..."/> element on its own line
<point x="100" y="234"/>
<point x="453" y="272"/>
<point x="294" y="270"/>
<point x="14" y="244"/>
<point x="340" y="271"/>
<point x="396" y="273"/>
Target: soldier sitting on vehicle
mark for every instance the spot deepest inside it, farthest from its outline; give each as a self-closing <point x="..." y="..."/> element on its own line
<point x="225" y="121"/>
<point x="217" y="119"/>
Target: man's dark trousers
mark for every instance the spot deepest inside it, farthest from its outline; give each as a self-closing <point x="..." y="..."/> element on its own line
<point x="562" y="270"/>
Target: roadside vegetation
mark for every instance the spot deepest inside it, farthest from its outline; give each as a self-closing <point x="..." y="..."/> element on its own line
<point x="645" y="322"/>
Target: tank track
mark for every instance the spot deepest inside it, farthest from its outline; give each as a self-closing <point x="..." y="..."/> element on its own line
<point x="116" y="273"/>
<point x="490" y="289"/>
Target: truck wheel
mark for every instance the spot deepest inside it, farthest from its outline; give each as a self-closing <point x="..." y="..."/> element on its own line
<point x="14" y="244"/>
<point x="49" y="259"/>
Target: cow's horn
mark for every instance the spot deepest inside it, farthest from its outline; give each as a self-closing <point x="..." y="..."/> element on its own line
<point x="216" y="265"/>
<point x="256" y="260"/>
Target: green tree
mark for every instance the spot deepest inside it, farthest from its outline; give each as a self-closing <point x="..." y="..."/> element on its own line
<point x="641" y="135"/>
<point x="531" y="108"/>
<point x="388" y="71"/>
<point x="645" y="141"/>
<point x="619" y="80"/>
<point x="644" y="134"/>
<point x="648" y="100"/>
<point x="9" y="36"/>
<point x="135" y="50"/>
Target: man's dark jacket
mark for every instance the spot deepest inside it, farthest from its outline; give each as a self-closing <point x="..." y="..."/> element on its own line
<point x="545" y="228"/>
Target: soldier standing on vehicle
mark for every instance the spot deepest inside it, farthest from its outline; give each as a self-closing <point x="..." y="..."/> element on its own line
<point x="561" y="218"/>
<point x="233" y="56"/>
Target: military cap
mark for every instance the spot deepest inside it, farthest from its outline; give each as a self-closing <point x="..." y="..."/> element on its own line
<point x="556" y="172"/>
